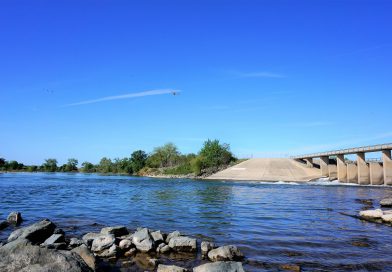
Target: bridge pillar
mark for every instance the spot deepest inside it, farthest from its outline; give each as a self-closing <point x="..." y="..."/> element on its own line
<point x="309" y="162"/>
<point x="352" y="173"/>
<point x="333" y="174"/>
<point x="376" y="173"/>
<point x="342" y="168"/>
<point x="324" y="162"/>
<point x="387" y="165"/>
<point x="363" y="169"/>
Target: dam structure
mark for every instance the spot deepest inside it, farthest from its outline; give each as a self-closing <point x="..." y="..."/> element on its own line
<point x="335" y="165"/>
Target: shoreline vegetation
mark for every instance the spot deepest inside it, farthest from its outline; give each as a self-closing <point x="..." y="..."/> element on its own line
<point x="163" y="162"/>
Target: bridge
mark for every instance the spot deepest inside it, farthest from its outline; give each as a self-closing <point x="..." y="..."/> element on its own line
<point x="335" y="165"/>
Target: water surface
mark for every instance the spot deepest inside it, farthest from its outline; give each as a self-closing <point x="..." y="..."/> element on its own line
<point x="272" y="224"/>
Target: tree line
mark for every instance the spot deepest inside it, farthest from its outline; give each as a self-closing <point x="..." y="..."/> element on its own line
<point x="165" y="160"/>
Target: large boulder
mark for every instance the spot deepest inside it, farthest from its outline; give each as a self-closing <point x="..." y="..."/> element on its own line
<point x="225" y="253"/>
<point x="170" y="268"/>
<point x="36" y="259"/>
<point x="386" y="202"/>
<point x="183" y="244"/>
<point x="143" y="240"/>
<point x="117" y="231"/>
<point x="86" y="255"/>
<point x="88" y="238"/>
<point x="36" y="233"/>
<point x="172" y="235"/>
<point x="104" y="241"/>
<point x="15" y="218"/>
<point x="220" y="267"/>
<point x="371" y="214"/>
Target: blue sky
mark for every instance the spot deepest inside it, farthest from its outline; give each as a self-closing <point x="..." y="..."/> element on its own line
<point x="271" y="78"/>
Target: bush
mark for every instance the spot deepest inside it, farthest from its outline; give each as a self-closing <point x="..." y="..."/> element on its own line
<point x="214" y="155"/>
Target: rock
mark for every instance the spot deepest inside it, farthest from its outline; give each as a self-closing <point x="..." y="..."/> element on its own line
<point x="89" y="238"/>
<point x="4" y="224"/>
<point x="172" y="235"/>
<point x="157" y="236"/>
<point x="86" y="255"/>
<point x="206" y="247"/>
<point x="165" y="249"/>
<point x="108" y="253"/>
<point x="54" y="238"/>
<point x="183" y="244"/>
<point x="18" y="243"/>
<point x="75" y="242"/>
<point x="170" y="268"/>
<point x="15" y="218"/>
<point x="153" y="262"/>
<point x="36" y="233"/>
<point x="35" y="259"/>
<point x="130" y="252"/>
<point x="387" y="218"/>
<point x="59" y="231"/>
<point x="125" y="244"/>
<point x="117" y="231"/>
<point x="225" y="253"/>
<point x="290" y="267"/>
<point x="142" y="240"/>
<point x="104" y="241"/>
<point x="371" y="214"/>
<point x="386" y="202"/>
<point x="220" y="267"/>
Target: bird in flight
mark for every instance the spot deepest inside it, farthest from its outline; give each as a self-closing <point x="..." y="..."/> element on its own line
<point x="175" y="93"/>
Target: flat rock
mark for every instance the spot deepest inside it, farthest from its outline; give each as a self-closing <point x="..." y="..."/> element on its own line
<point x="386" y="202"/>
<point x="170" y="268"/>
<point x="143" y="240"/>
<point x="183" y="244"/>
<point x="157" y="236"/>
<point x="15" y="218"/>
<point x="36" y="233"/>
<point x="86" y="255"/>
<point x="125" y="244"/>
<point x="371" y="214"/>
<point x="36" y="259"/>
<point x="387" y="218"/>
<point x="54" y="238"/>
<point x="117" y="231"/>
<point x="104" y="241"/>
<point x="225" y="253"/>
<point x="220" y="267"/>
<point x="206" y="247"/>
<point x="75" y="242"/>
<point x="108" y="253"/>
<point x="172" y="235"/>
<point x="88" y="238"/>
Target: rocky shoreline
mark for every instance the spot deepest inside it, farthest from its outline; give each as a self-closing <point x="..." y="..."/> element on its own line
<point x="43" y="247"/>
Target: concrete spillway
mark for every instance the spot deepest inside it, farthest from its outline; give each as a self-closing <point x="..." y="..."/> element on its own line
<point x="269" y="170"/>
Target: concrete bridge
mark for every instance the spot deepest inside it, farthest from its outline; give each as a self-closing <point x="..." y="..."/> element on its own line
<point x="334" y="165"/>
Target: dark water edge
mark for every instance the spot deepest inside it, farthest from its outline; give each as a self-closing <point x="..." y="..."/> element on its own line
<point x="272" y="224"/>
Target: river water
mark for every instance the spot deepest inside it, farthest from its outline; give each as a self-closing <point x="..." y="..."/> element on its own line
<point x="273" y="224"/>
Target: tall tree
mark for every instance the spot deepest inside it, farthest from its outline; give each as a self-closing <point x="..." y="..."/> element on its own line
<point x="138" y="160"/>
<point x="50" y="165"/>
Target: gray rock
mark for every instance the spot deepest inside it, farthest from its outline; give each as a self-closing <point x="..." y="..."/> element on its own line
<point x="15" y="218"/>
<point x="104" y="241"/>
<point x="57" y="246"/>
<point x="206" y="247"/>
<point x="220" y="267"/>
<point x="86" y="255"/>
<point x="18" y="243"/>
<point x="172" y="235"/>
<point x="75" y="242"/>
<point x="54" y="238"/>
<point x="170" y="268"/>
<point x="117" y="231"/>
<point x="371" y="214"/>
<point x="225" y="253"/>
<point x="36" y="259"/>
<point x="130" y="252"/>
<point x="89" y="238"/>
<point x="387" y="218"/>
<point x="165" y="249"/>
<point x="4" y="224"/>
<point x="36" y="233"/>
<point x="125" y="244"/>
<point x="153" y="262"/>
<point x="183" y="244"/>
<point x="142" y="240"/>
<point x="386" y="202"/>
<point x="108" y="253"/>
<point x="157" y="236"/>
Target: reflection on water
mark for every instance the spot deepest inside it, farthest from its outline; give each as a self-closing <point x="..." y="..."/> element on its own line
<point x="272" y="223"/>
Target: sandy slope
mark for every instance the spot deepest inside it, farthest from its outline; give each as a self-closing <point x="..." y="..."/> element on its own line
<point x="269" y="170"/>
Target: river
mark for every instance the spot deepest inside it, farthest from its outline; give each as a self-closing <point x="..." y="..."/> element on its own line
<point x="273" y="224"/>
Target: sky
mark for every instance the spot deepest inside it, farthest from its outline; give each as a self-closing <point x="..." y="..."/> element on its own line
<point x="88" y="79"/>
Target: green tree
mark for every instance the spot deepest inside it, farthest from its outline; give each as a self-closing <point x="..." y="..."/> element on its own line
<point x="88" y="167"/>
<point x="166" y="155"/>
<point x="105" y="165"/>
<point x="122" y="166"/>
<point x="213" y="154"/>
<point x="50" y="165"/>
<point x="138" y="160"/>
<point x="2" y="162"/>
<point x="72" y="165"/>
